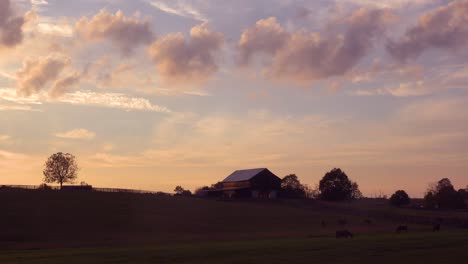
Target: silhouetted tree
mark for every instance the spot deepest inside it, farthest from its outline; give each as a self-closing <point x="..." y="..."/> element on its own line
<point x="429" y="200"/>
<point x="399" y="198"/>
<point x="311" y="193"/>
<point x="463" y="193"/>
<point x="291" y="187"/>
<point x="444" y="195"/>
<point x="336" y="186"/>
<point x="181" y="191"/>
<point x="356" y="193"/>
<point x="60" y="168"/>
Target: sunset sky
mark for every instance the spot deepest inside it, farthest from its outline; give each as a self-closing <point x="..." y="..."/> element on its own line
<point x="150" y="94"/>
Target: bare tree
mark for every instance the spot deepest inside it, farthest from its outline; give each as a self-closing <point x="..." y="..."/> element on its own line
<point x="60" y="168"/>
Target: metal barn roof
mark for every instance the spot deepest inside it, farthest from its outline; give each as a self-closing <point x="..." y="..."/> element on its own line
<point x="243" y="175"/>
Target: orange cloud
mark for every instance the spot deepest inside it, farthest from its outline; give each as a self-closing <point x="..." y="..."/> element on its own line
<point x="266" y="36"/>
<point x="63" y="85"/>
<point x="303" y="56"/>
<point x="126" y="33"/>
<point x="83" y="134"/>
<point x="38" y="72"/>
<point x="445" y="28"/>
<point x="11" y="26"/>
<point x="194" y="60"/>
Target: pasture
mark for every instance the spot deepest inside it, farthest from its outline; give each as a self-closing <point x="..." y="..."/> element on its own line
<point x="93" y="227"/>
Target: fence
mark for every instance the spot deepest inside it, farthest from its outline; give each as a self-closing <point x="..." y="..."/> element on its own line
<point x="108" y="190"/>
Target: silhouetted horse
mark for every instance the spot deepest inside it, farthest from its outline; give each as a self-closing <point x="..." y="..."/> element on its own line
<point x="343" y="234"/>
<point x="401" y="228"/>
<point x="368" y="221"/>
<point x="436" y="228"/>
<point x="342" y="221"/>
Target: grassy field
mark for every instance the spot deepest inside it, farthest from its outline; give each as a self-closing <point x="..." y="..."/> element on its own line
<point x="60" y="227"/>
<point x="445" y="247"/>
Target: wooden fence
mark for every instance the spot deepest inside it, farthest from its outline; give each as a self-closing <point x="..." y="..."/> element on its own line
<point x="109" y="190"/>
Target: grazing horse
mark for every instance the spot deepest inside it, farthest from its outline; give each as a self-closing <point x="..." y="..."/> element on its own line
<point x="368" y="221"/>
<point x="436" y="228"/>
<point x="343" y="234"/>
<point x="401" y="228"/>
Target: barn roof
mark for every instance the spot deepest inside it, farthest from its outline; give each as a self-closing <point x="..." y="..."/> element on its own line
<point x="243" y="175"/>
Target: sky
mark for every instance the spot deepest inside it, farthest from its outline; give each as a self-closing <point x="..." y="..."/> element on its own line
<point x="150" y="94"/>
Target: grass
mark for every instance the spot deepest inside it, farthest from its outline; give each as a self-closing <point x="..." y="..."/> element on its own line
<point x="444" y="247"/>
<point x="81" y="227"/>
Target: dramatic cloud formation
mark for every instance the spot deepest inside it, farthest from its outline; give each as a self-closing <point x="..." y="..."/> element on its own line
<point x="303" y="56"/>
<point x="38" y="72"/>
<point x="195" y="60"/>
<point x="77" y="134"/>
<point x="11" y="33"/>
<point x="445" y="28"/>
<point x="126" y="33"/>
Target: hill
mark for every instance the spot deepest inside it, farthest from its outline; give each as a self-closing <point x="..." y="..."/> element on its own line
<point x="51" y="219"/>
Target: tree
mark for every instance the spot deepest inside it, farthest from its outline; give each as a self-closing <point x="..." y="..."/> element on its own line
<point x="443" y="195"/>
<point x="399" y="198"/>
<point x="60" y="168"/>
<point x="291" y="187"/>
<point x="181" y="191"/>
<point x="336" y="186"/>
<point x="355" y="192"/>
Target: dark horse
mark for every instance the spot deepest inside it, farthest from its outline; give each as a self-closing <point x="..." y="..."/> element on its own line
<point x="401" y="228"/>
<point x="343" y="234"/>
<point x="436" y="228"/>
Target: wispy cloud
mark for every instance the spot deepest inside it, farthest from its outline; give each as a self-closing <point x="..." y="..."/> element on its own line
<point x="7" y="75"/>
<point x="17" y="108"/>
<point x="81" y="133"/>
<point x="84" y="98"/>
<point x="4" y="138"/>
<point x="112" y="100"/>
<point x="179" y="8"/>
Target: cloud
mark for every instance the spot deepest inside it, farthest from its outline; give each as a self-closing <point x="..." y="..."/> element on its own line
<point x="187" y="61"/>
<point x="303" y="56"/>
<point x="111" y="100"/>
<point x="36" y="73"/>
<point x="4" y="138"/>
<point x="81" y="133"/>
<point x="266" y="36"/>
<point x="438" y="79"/>
<point x="126" y="33"/>
<point x="11" y="32"/>
<point x="179" y="9"/>
<point x="389" y="3"/>
<point x="16" y="108"/>
<point x="63" y="85"/>
<point x="84" y="98"/>
<point x="444" y="28"/>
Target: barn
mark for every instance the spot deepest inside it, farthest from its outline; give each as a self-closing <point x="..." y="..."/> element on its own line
<point x="251" y="183"/>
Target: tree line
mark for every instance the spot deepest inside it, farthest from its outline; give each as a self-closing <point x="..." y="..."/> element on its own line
<point x="335" y="185"/>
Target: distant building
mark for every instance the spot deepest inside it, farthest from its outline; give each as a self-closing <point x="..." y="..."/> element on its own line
<point x="252" y="183"/>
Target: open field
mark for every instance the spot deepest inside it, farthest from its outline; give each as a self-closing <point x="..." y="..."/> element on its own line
<point x="93" y="227"/>
<point x="445" y="247"/>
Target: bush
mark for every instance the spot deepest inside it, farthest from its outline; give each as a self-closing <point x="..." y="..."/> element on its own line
<point x="399" y="198"/>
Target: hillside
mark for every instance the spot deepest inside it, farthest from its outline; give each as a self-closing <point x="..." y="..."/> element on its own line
<point x="51" y="219"/>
